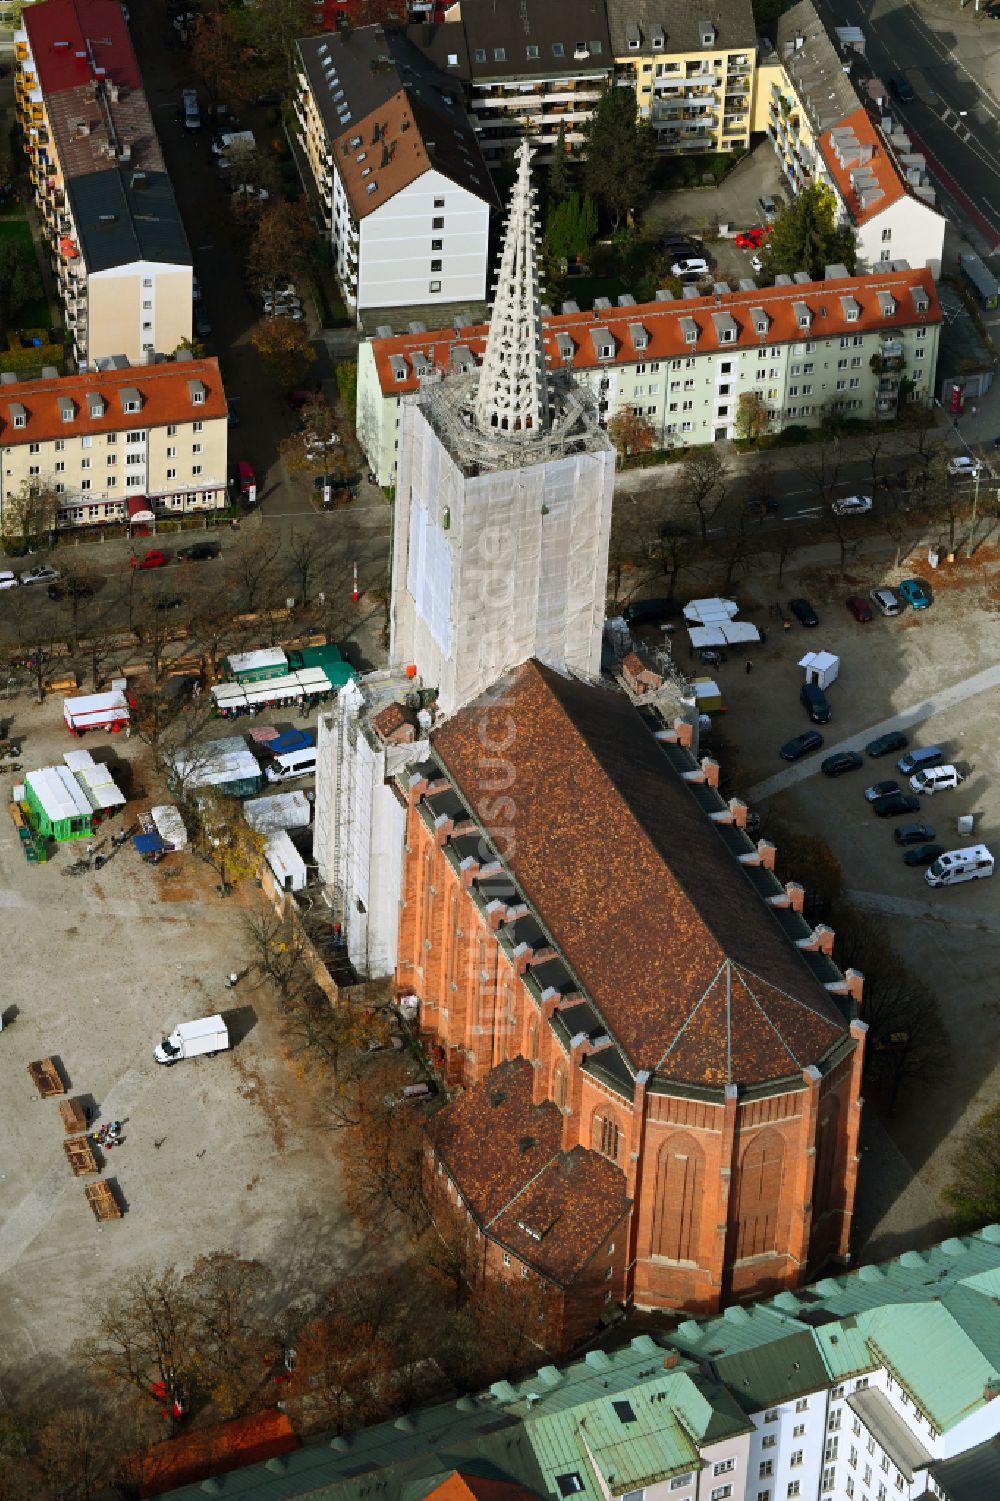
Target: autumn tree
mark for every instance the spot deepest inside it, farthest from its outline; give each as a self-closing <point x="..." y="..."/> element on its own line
<point x="631" y="432"/>
<point x="220" y="54"/>
<point x="511" y="1316"/>
<point x="278" y="951"/>
<point x="281" y="246"/>
<point x="701" y="484"/>
<point x="225" y="840"/>
<point x="236" y="1331"/>
<point x="331" y="1040"/>
<point x="146" y="1337"/>
<point x="284" y="347"/>
<point x="343" y="1376"/>
<point x="29" y="514"/>
<point x="382" y="1166"/>
<point x="751" y="416"/>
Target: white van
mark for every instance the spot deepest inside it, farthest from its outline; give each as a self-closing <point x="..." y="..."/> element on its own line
<point x="8" y="580"/>
<point x="209" y="1034"/>
<point x="960" y="865"/>
<point x="936" y="779"/>
<point x="300" y="763"/>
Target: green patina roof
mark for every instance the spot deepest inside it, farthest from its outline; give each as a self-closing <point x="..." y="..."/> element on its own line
<point x="932" y="1316"/>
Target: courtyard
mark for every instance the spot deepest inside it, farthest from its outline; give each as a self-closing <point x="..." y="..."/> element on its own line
<point x="221" y="1153"/>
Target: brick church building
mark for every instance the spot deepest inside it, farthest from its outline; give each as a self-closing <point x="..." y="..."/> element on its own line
<point x="655" y="1062"/>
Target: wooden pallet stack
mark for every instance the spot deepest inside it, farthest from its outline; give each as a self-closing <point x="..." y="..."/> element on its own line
<point x="47" y="1078"/>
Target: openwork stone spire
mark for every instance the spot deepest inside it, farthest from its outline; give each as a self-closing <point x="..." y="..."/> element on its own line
<point x="513" y="394"/>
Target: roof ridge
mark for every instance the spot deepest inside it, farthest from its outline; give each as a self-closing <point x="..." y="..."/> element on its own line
<point x="744" y="970"/>
<point x="726" y="962"/>
<point x="766" y="1015"/>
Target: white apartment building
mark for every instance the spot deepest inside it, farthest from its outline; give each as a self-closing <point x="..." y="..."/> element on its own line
<point x="831" y="123"/>
<point x="119" y="443"/>
<point x="684" y="363"/>
<point x="395" y="163"/>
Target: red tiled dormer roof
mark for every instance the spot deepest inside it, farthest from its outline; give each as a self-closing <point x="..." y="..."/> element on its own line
<point x="461" y="1487"/>
<point x="552" y="1209"/>
<point x="664" y="932"/>
<point x="569" y="344"/>
<point x="74" y="42"/>
<point x="164" y="391"/>
<point x="861" y="165"/>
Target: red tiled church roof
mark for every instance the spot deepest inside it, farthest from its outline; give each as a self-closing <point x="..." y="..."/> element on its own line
<point x="552" y="1209"/>
<point x="686" y="965"/>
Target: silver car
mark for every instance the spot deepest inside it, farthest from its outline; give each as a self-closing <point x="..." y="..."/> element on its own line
<point x="886" y="600"/>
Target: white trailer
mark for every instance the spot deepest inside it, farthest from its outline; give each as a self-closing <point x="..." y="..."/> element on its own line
<point x="96" y="711"/>
<point x="208" y="1035"/>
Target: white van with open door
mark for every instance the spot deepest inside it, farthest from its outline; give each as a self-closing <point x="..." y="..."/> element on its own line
<point x="960" y="865"/>
<point x="936" y="779"/>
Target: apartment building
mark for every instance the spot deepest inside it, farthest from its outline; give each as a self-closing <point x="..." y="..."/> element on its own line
<point x="397" y="169"/>
<point x="831" y="122"/>
<point x="119" y="443"/>
<point x="526" y="66"/>
<point x="117" y="245"/>
<point x="851" y="343"/>
<point x="880" y="1385"/>
<point x="692" y="72"/>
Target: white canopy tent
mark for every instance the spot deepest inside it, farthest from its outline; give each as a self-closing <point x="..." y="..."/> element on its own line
<point x="723" y="633"/>
<point x="710" y="611"/>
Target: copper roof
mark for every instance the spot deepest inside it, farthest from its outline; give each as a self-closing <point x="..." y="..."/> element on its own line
<point x="552" y="1209"/>
<point x="661" y="927"/>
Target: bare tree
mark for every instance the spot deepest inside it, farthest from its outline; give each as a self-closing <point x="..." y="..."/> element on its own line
<point x="701" y="484"/>
<point x="252" y="568"/>
<point x="310" y="554"/>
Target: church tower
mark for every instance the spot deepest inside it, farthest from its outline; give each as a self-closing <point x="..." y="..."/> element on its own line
<point x="503" y="500"/>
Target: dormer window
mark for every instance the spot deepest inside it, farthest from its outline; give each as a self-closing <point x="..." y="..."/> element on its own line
<point x="131" y="401"/>
<point x="691" y="337"/>
<point x="532" y="51"/>
<point x="95" y="404"/>
<point x="362" y="156"/>
<point x="366" y="171"/>
<point x="803" y="315"/>
<point x="499" y="54"/>
<point x="480" y="54"/>
<point x="372" y="186"/>
<point x="761" y="329"/>
<point x="355" y="142"/>
<point x="67" y="411"/>
<point x="18" y="415"/>
<point x="558" y="50"/>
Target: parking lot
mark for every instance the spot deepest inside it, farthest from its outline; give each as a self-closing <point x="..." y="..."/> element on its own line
<point x="220" y="1153"/>
<point x="934" y="674"/>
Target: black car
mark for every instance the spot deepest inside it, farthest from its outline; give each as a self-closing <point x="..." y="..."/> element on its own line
<point x="199" y="552"/>
<point x="913" y="833"/>
<point x="835" y="766"/>
<point x="884" y="745"/>
<point x="803" y="612"/>
<point x="763" y="505"/>
<point x="814" y="701"/>
<point x="901" y="88"/>
<point x="801" y="745"/>
<point x="923" y="854"/>
<point x="895" y="803"/>
<point x="169" y="602"/>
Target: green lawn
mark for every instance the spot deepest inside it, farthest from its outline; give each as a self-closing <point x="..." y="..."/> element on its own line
<point x="35" y="314"/>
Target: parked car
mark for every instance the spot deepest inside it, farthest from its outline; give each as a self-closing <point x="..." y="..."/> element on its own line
<point x="886" y="600"/>
<point x="232" y="413"/>
<point x="884" y="745"/>
<point x="683" y="245"/>
<point x="245" y="481"/>
<point x="40" y="574"/>
<point x="168" y="602"/>
<point x="923" y="854"/>
<point x="931" y="779"/>
<point x="768" y="207"/>
<point x="751" y="239"/>
<point x="901" y="88"/>
<point x="757" y="265"/>
<point x="202" y="322"/>
<point x="154" y="558"/>
<point x="692" y="266"/>
<point x="916" y="593"/>
<point x="835" y="766"/>
<point x="199" y="551"/>
<point x="912" y="833"/>
<point x="815" y="703"/>
<point x="852" y="505"/>
<point x="803" y="612"/>
<point x="859" y="607"/>
<point x="801" y="745"/>
<point x="880" y="789"/>
<point x="895" y="804"/>
<point x="763" y="505"/>
<point x="963" y="465"/>
<point x="8" y="580"/>
<point x="650" y="611"/>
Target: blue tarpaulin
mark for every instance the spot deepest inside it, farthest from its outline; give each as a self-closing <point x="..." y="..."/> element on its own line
<point x="291" y="740"/>
<point x="148" y="844"/>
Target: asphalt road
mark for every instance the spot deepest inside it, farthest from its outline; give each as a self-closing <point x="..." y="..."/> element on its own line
<point x="952" y="117"/>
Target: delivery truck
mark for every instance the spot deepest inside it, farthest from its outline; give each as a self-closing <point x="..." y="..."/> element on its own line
<point x="190" y="1039"/>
